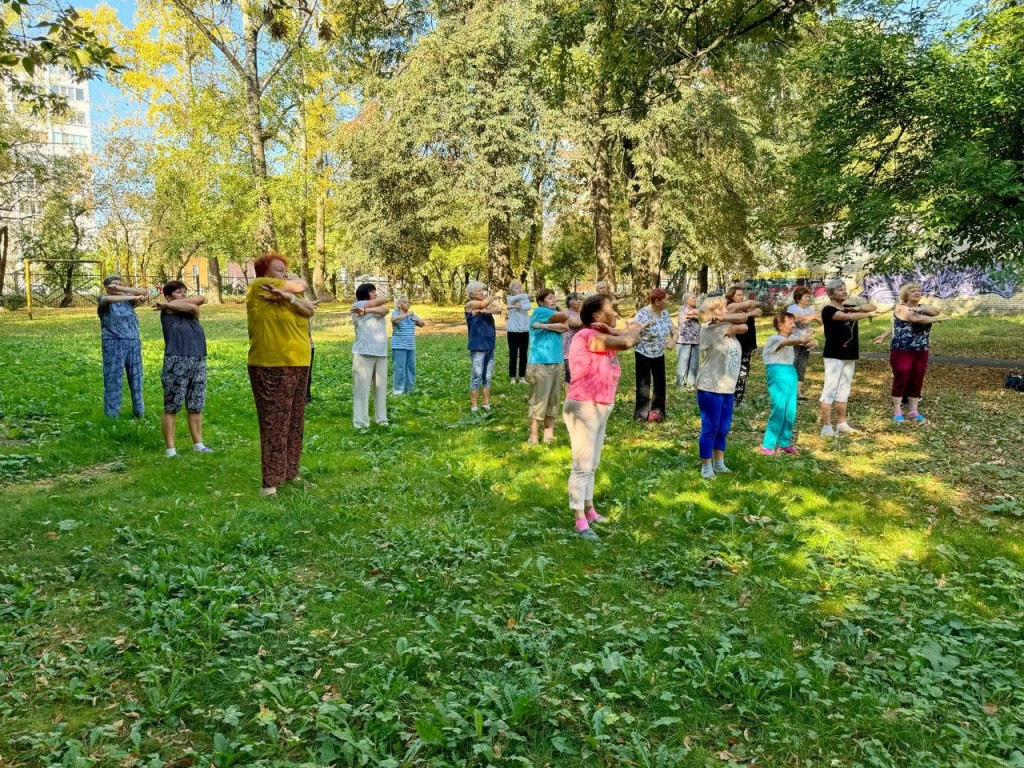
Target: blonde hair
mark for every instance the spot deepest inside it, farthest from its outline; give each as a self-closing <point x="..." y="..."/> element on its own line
<point x="905" y="291"/>
<point x="473" y="287"/>
<point x="709" y="306"/>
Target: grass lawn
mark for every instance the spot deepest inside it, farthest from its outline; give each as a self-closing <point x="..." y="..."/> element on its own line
<point x="424" y="602"/>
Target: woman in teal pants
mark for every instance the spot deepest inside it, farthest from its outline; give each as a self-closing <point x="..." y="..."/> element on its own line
<point x="779" y="357"/>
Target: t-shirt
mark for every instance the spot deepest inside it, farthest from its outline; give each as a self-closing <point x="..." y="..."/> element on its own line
<point x="371" y="334"/>
<point x="689" y="328"/>
<point x="595" y="375"/>
<point x="183" y="335"/>
<point x="569" y="335"/>
<point x="403" y="333"/>
<point x="842" y="341"/>
<point x="656" y="335"/>
<point x="774" y="354"/>
<point x="118" y="320"/>
<point x="481" y="331"/>
<point x="720" y="359"/>
<point x="545" y="346"/>
<point x="278" y="335"/>
<point x="748" y="340"/>
<point x="518" y="313"/>
<point x="803" y="328"/>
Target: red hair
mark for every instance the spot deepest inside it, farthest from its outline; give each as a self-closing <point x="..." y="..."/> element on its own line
<point x="262" y="264"/>
<point x="657" y="295"/>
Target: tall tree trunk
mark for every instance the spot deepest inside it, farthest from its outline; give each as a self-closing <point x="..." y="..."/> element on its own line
<point x="654" y="240"/>
<point x="216" y="283"/>
<point x="601" y="208"/>
<point x="304" y="249"/>
<point x="499" y="262"/>
<point x="702" y="279"/>
<point x="68" y="299"/>
<point x="266" y="239"/>
<point x="3" y="257"/>
<point x="642" y="279"/>
<point x="320" y="248"/>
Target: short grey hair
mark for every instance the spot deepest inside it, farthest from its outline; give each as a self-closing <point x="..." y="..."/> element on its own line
<point x="402" y="297"/>
<point x="834" y="285"/>
<point x="515" y="285"/>
<point x="473" y="287"/>
<point x="687" y="297"/>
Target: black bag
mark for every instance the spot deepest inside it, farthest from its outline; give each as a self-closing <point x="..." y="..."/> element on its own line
<point x="1014" y="381"/>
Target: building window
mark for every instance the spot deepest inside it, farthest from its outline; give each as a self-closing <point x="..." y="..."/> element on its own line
<point x="69" y="138"/>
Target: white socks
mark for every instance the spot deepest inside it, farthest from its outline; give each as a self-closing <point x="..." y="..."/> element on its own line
<point x="170" y="453"/>
<point x="706" y="471"/>
<point x="719" y="466"/>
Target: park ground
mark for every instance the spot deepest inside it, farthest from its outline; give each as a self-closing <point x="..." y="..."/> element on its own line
<point x="420" y="600"/>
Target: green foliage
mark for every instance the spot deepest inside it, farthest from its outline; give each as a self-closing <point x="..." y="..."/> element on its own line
<point x="914" y="147"/>
<point x="445" y="147"/>
<point x="34" y="35"/>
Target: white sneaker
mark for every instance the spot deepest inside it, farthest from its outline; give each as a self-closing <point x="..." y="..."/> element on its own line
<point x="827" y="431"/>
<point x="845" y="429"/>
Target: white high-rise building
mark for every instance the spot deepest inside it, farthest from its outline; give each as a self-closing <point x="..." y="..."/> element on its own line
<point x="58" y="136"/>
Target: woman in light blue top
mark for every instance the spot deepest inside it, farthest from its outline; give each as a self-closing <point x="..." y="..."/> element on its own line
<point x="480" y="310"/>
<point x="517" y="331"/>
<point x="404" y="323"/>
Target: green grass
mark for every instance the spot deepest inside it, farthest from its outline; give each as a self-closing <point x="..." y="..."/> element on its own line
<point x="423" y="601"/>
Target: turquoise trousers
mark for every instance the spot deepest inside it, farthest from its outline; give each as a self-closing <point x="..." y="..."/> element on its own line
<point x="782" y="383"/>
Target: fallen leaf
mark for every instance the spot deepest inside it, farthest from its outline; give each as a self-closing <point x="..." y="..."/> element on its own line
<point x="991" y="708"/>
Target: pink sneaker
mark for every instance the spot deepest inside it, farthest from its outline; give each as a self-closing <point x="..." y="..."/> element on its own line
<point x="766" y="451"/>
<point x="790" y="450"/>
<point x="594" y="517"/>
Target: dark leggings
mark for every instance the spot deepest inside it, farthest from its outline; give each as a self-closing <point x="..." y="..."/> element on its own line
<point x="800" y="359"/>
<point x="741" y="382"/>
<point x="518" y="345"/>
<point x="907" y="371"/>
<point x="649" y="369"/>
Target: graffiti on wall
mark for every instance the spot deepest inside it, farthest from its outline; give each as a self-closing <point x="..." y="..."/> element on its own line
<point x="950" y="283"/>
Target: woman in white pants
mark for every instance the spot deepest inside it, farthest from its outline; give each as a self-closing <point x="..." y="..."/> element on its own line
<point x="588" y="404"/>
<point x="369" y="358"/>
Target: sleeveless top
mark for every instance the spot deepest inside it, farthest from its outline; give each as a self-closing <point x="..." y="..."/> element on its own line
<point x="118" y="320"/>
<point x="909" y="337"/>
<point x="481" y="332"/>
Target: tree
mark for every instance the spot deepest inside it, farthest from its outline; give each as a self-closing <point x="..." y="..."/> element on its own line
<point x="621" y="58"/>
<point x="60" y="233"/>
<point x="915" y="147"/>
<point x="33" y="36"/>
<point x="449" y="142"/>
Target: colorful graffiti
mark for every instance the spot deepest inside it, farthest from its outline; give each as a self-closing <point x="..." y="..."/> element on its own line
<point x="950" y="283"/>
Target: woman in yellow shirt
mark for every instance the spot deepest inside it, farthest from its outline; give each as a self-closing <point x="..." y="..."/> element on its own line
<point x="279" y="358"/>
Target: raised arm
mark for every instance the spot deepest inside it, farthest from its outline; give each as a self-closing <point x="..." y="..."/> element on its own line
<point x="905" y="313"/>
<point x="741" y="306"/>
<point x="624" y="340"/>
<point x="480" y="306"/>
<point x="187" y="306"/>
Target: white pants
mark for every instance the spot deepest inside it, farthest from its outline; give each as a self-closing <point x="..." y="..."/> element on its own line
<point x="838" y="380"/>
<point x="586" y="423"/>
<point x="367" y="368"/>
